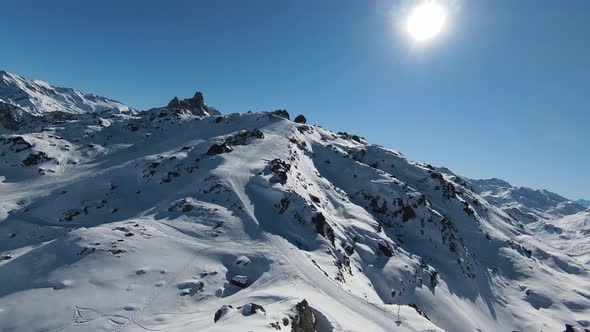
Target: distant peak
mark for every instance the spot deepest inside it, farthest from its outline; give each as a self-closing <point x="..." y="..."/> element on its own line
<point x="494" y="182"/>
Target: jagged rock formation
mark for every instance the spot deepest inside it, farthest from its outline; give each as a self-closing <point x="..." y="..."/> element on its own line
<point x="196" y="105"/>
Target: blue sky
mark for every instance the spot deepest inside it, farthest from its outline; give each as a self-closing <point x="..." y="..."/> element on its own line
<point x="505" y="92"/>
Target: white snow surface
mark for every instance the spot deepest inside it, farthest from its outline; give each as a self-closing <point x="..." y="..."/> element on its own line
<point x="126" y="223"/>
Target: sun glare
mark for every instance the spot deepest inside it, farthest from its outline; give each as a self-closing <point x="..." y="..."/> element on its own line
<point x="426" y="21"/>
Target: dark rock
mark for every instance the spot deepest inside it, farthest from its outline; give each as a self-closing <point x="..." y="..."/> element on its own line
<point x="349" y="249"/>
<point x="322" y="227"/>
<point x="168" y="177"/>
<point x="304" y="319"/>
<point x="7" y="119"/>
<point x="35" y="158"/>
<point x="222" y="311"/>
<point x="190" y="288"/>
<point x="355" y="138"/>
<point x="433" y="278"/>
<point x="280" y="168"/>
<point x="420" y="312"/>
<point x="436" y="175"/>
<point x="244" y="137"/>
<point x="117" y="251"/>
<point x="408" y="213"/>
<point x="219" y="148"/>
<point x="281" y="113"/>
<point x="314" y="199"/>
<point x="174" y="103"/>
<point x="240" y="281"/>
<point x="385" y="249"/>
<point x="300" y="119"/>
<point x="70" y="215"/>
<point x="284" y="204"/>
<point x="197" y="101"/>
<point x="17" y="143"/>
<point x="196" y="105"/>
<point x="251" y="309"/>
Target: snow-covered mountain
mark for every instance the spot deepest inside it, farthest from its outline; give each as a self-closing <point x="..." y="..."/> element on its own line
<point x="38" y="97"/>
<point x="172" y="220"/>
<point x="562" y="223"/>
<point x="536" y="203"/>
<point x="25" y="100"/>
<point x="583" y="202"/>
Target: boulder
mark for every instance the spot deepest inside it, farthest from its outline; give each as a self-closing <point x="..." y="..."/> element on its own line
<point x="251" y="309"/>
<point x="300" y="119"/>
<point x="221" y="312"/>
<point x="240" y="281"/>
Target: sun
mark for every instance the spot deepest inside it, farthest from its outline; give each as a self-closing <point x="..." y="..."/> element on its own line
<point x="426" y="21"/>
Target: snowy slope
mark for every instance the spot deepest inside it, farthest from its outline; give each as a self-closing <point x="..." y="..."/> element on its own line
<point x="166" y="220"/>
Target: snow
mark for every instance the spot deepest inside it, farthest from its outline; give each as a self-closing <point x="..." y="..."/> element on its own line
<point x="128" y="224"/>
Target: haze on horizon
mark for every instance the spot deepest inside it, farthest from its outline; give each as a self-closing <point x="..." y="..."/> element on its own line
<point x="494" y="95"/>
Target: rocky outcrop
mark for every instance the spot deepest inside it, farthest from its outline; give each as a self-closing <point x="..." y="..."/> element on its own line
<point x="304" y="319"/>
<point x="239" y="281"/>
<point x="280" y="169"/>
<point x="281" y="113"/>
<point x="221" y="312"/>
<point x="251" y="309"/>
<point x="35" y="158"/>
<point x="218" y="148"/>
<point x="244" y="137"/>
<point x="196" y="105"/>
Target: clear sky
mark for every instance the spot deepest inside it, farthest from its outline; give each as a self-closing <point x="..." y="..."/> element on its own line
<point x="504" y="92"/>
